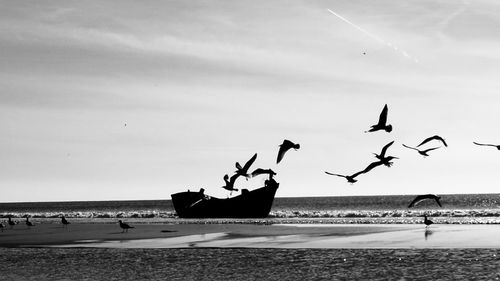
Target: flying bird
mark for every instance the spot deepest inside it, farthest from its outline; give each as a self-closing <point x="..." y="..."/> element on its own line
<point x="382" y="122"/>
<point x="386" y="160"/>
<point x="260" y="171"/>
<point x="421" y="152"/>
<point x="243" y="171"/>
<point x="351" y="179"/>
<point x="487" y="144"/>
<point x="124" y="226"/>
<point x="230" y="182"/>
<point x="421" y="198"/>
<point x="427" y="221"/>
<point x="436" y="137"/>
<point x="284" y="147"/>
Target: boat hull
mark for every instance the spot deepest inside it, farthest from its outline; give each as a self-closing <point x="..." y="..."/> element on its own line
<point x="249" y="204"/>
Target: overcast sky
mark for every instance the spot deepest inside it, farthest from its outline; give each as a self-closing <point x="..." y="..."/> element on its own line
<point x="111" y="100"/>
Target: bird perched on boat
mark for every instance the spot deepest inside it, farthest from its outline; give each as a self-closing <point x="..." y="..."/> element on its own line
<point x="230" y="182"/>
<point x="382" y="122"/>
<point x="427" y="221"/>
<point x="386" y="160"/>
<point x="124" y="226"/>
<point x="64" y="221"/>
<point x="284" y="147"/>
<point x="421" y="152"/>
<point x="11" y="222"/>
<point x="260" y="171"/>
<point x="421" y="198"/>
<point x="487" y="144"/>
<point x="28" y="223"/>
<point x="243" y="171"/>
<point x="436" y="137"/>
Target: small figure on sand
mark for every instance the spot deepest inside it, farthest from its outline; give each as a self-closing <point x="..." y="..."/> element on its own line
<point x="124" y="226"/>
<point x="64" y="222"/>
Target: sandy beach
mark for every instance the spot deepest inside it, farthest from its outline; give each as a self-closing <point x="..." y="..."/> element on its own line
<point x="144" y="235"/>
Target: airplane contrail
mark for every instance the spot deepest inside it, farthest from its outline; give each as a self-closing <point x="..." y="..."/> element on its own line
<point x="380" y="40"/>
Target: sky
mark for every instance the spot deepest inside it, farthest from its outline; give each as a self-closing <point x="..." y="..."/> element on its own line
<point x="133" y="100"/>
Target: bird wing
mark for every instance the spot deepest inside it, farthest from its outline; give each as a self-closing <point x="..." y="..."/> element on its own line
<point x="238" y="166"/>
<point x="439" y="203"/>
<point x="485" y="144"/>
<point x="384" y="149"/>
<point x="409" y="147"/>
<point x="233" y="179"/>
<point x="332" y="174"/>
<point x="416" y="201"/>
<point x="430" y="149"/>
<point x="368" y="168"/>
<point x="436" y="137"/>
<point x="250" y="162"/>
<point x="281" y="152"/>
<point x="257" y="172"/>
<point x="382" y="119"/>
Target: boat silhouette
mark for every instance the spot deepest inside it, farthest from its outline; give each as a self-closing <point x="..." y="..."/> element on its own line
<point x="256" y="203"/>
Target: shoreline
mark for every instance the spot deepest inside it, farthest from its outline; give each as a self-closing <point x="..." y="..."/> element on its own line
<point x="212" y="235"/>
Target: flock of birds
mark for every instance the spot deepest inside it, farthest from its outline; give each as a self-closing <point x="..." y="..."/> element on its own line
<point x="124" y="226"/>
<point x="383" y="159"/>
<point x="243" y="171"/>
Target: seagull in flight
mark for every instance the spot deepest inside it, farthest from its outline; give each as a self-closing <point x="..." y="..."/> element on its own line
<point x="243" y="171"/>
<point x="422" y="152"/>
<point x="487" y="144"/>
<point x="382" y="122"/>
<point x="230" y="182"/>
<point x="421" y="198"/>
<point x="352" y="178"/>
<point x="260" y="171"/>
<point x="436" y="137"/>
<point x="386" y="160"/>
<point x="284" y="147"/>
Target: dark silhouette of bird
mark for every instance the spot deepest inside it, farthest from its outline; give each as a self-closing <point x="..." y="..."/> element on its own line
<point x="421" y="198"/>
<point x="230" y="182"/>
<point x="421" y="152"/>
<point x="487" y="144"/>
<point x="11" y="222"/>
<point x="382" y="122"/>
<point x="284" y="147"/>
<point x="260" y="171"/>
<point x="427" y="221"/>
<point x="352" y="178"/>
<point x="243" y="171"/>
<point x="436" y="137"/>
<point x="28" y="223"/>
<point x="64" y="221"/>
<point x="386" y="160"/>
<point x="124" y="226"/>
<point x="2" y="225"/>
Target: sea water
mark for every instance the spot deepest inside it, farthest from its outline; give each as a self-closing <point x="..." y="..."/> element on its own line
<point x="457" y="208"/>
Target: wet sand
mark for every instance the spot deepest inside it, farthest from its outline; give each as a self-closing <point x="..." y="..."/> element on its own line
<point x="108" y="235"/>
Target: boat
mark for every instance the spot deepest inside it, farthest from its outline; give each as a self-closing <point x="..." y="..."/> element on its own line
<point x="256" y="203"/>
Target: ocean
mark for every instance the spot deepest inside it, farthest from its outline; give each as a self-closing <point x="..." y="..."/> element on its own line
<point x="260" y="263"/>
<point x="457" y="208"/>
